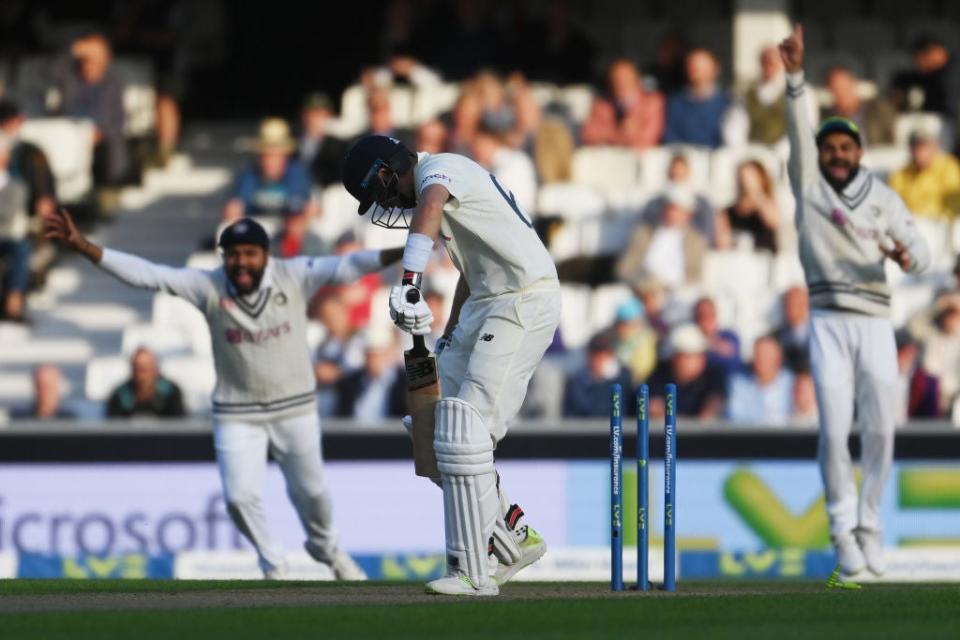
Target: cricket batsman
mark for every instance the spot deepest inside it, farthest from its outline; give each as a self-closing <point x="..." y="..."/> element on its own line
<point x="256" y="309"/>
<point x="849" y="222"/>
<point x="505" y="312"/>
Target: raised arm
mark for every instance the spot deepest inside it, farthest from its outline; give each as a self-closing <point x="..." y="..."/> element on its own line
<point x="190" y="284"/>
<point x="802" y="165"/>
<point x="350" y="267"/>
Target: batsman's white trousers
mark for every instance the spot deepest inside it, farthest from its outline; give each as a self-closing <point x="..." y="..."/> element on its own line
<point x="242" y="457"/>
<point x="854" y="361"/>
<point x="496" y="347"/>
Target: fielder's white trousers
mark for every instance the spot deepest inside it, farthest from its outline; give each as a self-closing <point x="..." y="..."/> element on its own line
<point x="242" y="447"/>
<point x="495" y="349"/>
<point x="854" y="361"/>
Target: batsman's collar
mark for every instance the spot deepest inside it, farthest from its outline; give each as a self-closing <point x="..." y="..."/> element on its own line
<point x="837" y="124"/>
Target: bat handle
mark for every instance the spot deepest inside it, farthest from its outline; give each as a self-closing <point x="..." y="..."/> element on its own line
<point x="419" y="347"/>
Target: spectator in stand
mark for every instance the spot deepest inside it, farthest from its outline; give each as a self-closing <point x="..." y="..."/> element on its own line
<point x="464" y="122"/>
<point x="628" y="115"/>
<point x="671" y="251"/>
<point x="513" y="169"/>
<point x="553" y="148"/>
<point x="146" y="393"/>
<point x="805" y="412"/>
<point x="701" y="388"/>
<point x="356" y="295"/>
<point x="277" y="184"/>
<point x="875" y="118"/>
<point x="764" y="396"/>
<point x="89" y="88"/>
<point x="556" y="50"/>
<point x="941" y="353"/>
<point x="527" y="114"/>
<point x="703" y="113"/>
<point x="794" y="333"/>
<point x="432" y="137"/>
<point x="765" y="102"/>
<point x="380" y="118"/>
<point x="296" y="239"/>
<point x="919" y="392"/>
<point x="377" y="391"/>
<point x="653" y="295"/>
<point x="14" y="244"/>
<point x="753" y="215"/>
<point x="723" y="345"/>
<point x="678" y="175"/>
<point x="635" y="343"/>
<point x="930" y="183"/>
<point x="587" y="392"/>
<point x="47" y="394"/>
<point x="319" y="151"/>
<point x="28" y="162"/>
<point x="339" y="354"/>
<point x="932" y="84"/>
<point x="668" y="69"/>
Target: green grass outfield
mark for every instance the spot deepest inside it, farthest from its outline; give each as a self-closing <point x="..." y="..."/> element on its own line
<point x="186" y="610"/>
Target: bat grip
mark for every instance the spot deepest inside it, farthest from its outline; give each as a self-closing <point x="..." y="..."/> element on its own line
<point x="419" y="347"/>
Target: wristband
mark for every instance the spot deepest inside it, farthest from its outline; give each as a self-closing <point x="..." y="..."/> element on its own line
<point x="416" y="253"/>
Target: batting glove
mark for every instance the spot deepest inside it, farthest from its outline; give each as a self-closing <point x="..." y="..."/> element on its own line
<point x="412" y="317"/>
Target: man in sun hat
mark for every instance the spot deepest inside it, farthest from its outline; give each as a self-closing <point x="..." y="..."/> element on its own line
<point x="276" y="184"/>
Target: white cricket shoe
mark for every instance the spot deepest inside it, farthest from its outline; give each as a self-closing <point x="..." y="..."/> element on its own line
<point x="531" y="549"/>
<point x="872" y="547"/>
<point x="344" y="567"/>
<point x="849" y="555"/>
<point x="276" y="573"/>
<point x="458" y="583"/>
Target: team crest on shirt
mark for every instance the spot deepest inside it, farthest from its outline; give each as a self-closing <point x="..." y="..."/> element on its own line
<point x="280" y="299"/>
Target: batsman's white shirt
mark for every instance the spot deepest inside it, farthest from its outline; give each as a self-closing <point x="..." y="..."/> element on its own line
<point x="513" y="310"/>
<point x="259" y="341"/>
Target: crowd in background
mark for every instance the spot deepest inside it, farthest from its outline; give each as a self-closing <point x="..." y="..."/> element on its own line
<point x="676" y="99"/>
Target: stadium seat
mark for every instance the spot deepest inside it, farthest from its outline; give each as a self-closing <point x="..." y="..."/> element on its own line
<point x="607" y="167"/>
<point x="574" y="308"/>
<point x="139" y="95"/>
<point x="885" y="160"/>
<point x="604" y="302"/>
<point x="603" y="235"/>
<point x="103" y="375"/>
<point x="204" y="260"/>
<point x="909" y="299"/>
<point x="786" y="271"/>
<point x="196" y="377"/>
<point x="577" y="98"/>
<point x="886" y="64"/>
<point x="937" y="234"/>
<point x="353" y="110"/>
<point x="543" y="92"/>
<point x="430" y="102"/>
<point x="66" y="142"/>
<point x="164" y="340"/>
<point x="908" y="122"/>
<point x="169" y="310"/>
<point x="743" y="272"/>
<point x="570" y="201"/>
<point x="401" y="106"/>
<point x="655" y="162"/>
<point x="338" y="214"/>
<point x="817" y="63"/>
<point x="316" y="332"/>
<point x="627" y="201"/>
<point x="94" y="316"/>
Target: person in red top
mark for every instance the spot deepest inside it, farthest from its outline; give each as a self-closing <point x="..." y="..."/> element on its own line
<point x="629" y="116"/>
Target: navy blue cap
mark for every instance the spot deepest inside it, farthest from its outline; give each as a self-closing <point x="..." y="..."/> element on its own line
<point x="245" y="231"/>
<point x="362" y="162"/>
<point x="837" y="124"/>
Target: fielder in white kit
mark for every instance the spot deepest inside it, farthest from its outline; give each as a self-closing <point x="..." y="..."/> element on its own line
<point x="256" y="308"/>
<point x="505" y="312"/>
<point x="849" y="223"/>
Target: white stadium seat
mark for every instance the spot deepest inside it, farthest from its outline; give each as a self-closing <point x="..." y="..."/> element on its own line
<point x="930" y="122"/>
<point x="577" y="98"/>
<point x="604" y="302"/>
<point x="66" y="142"/>
<point x="885" y="160"/>
<point x="172" y="311"/>
<point x="338" y="214"/>
<point x="570" y="201"/>
<point x="607" y="167"/>
<point x="139" y="95"/>
<point x="163" y="340"/>
<point x="574" y="306"/>
<point x="196" y="377"/>
<point x="204" y="260"/>
<point x="103" y="374"/>
<point x="429" y="102"/>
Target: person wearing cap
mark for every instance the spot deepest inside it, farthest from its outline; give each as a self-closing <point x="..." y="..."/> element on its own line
<point x="505" y="312"/>
<point x="320" y="151"/>
<point x="849" y="223"/>
<point x="930" y="183"/>
<point x="276" y="184"/>
<point x="256" y="309"/>
<point x="634" y="341"/>
<point x="701" y="386"/>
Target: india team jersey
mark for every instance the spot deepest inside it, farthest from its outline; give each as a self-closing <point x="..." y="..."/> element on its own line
<point x="490" y="239"/>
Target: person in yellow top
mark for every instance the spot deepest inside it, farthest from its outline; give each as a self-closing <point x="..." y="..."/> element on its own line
<point x="930" y="183"/>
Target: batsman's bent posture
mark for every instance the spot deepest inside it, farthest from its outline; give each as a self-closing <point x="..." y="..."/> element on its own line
<point x="264" y="397"/>
<point x="849" y="223"/>
<point x="504" y="316"/>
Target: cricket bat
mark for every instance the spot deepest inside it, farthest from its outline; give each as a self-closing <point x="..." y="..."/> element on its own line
<point x="423" y="392"/>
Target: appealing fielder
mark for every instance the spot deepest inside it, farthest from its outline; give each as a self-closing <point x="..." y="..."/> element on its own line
<point x="505" y="312"/>
<point x="255" y="307"/>
<point x="848" y="222"/>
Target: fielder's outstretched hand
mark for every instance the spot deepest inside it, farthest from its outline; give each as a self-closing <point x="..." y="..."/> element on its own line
<point x="60" y="227"/>
<point x="791" y="50"/>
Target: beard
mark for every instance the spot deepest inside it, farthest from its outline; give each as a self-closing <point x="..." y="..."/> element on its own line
<point x="839" y="183"/>
<point x="245" y="280"/>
